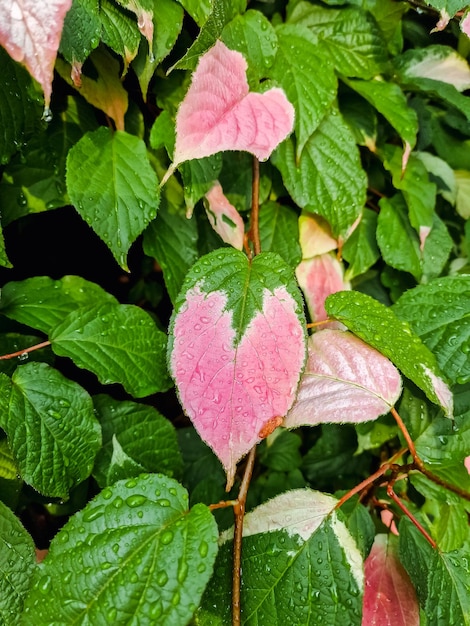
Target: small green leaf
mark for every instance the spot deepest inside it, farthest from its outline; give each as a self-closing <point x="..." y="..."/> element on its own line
<point x="141" y="433"/>
<point x="310" y="85"/>
<point x="328" y="179"/>
<point x="280" y="451"/>
<point x="378" y="326"/>
<point x="391" y="102"/>
<point x="82" y="30"/>
<point x="439" y="313"/>
<point x="143" y="558"/>
<point x="199" y="10"/>
<point x="51" y="428"/>
<point x="162" y="133"/>
<point x="8" y="467"/>
<point x="198" y="177"/>
<point x="360" y="249"/>
<point x="18" y="563"/>
<point x="119" y="343"/>
<point x="440" y="578"/>
<point x="119" y="31"/>
<point x="42" y="303"/>
<point x="279" y="232"/>
<point x="253" y="35"/>
<point x="113" y="186"/>
<point x="349" y="36"/>
<point x="171" y="239"/>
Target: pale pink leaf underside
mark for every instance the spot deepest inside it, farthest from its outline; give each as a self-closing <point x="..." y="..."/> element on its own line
<point x="465" y="24"/>
<point x="219" y="113"/>
<point x="224" y="217"/>
<point x="315" y="236"/>
<point x="345" y="381"/>
<point x="389" y="596"/>
<point x="318" y="278"/>
<point x="231" y="392"/>
<point x="30" y="31"/>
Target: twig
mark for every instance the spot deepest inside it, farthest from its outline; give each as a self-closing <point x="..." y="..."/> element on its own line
<point x="25" y="351"/>
<point x="254" y="229"/>
<point x="409" y="515"/>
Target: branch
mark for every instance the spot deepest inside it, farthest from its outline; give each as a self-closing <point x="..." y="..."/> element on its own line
<point x="20" y="353"/>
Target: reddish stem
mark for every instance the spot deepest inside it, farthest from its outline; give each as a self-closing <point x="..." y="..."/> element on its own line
<point x="409" y="515"/>
<point x="25" y="351"/>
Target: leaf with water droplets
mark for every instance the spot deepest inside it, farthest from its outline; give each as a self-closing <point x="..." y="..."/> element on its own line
<point x="51" y="428"/>
<point x="30" y="31"/>
<point x="345" y="380"/>
<point x="389" y="596"/>
<point x="17" y="557"/>
<point x="138" y="535"/>
<point x="113" y="186"/>
<point x="236" y="348"/>
<point x="300" y="566"/>
<point x="378" y="326"/>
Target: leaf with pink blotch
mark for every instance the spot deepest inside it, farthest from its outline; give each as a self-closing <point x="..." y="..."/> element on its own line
<point x="30" y="32"/>
<point x="236" y="349"/>
<point x="224" y="217"/>
<point x="345" y="381"/>
<point x="319" y="277"/>
<point x="219" y="112"/>
<point x="389" y="596"/>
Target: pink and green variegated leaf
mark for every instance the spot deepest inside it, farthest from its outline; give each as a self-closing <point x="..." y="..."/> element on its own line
<point x="389" y="596"/>
<point x="319" y="277"/>
<point x="224" y="217"/>
<point x="237" y="349"/>
<point x="219" y="112"/>
<point x="345" y="381"/>
<point x="315" y="236"/>
<point x="30" y="32"/>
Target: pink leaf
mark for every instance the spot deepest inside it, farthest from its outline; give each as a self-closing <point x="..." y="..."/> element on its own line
<point x="467" y="464"/>
<point x="319" y="277"/>
<point x="389" y="596"/>
<point x="465" y="24"/>
<point x="231" y="392"/>
<point x="30" y="31"/>
<point x="423" y="235"/>
<point x="345" y="381"/>
<point x="315" y="236"/>
<point x="224" y="217"/>
<point x="219" y="113"/>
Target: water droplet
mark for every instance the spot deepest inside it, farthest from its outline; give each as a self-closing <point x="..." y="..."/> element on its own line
<point x="175" y="600"/>
<point x="118" y="502"/>
<point x="131" y="483"/>
<point x="162" y="578"/>
<point x="55" y="414"/>
<point x="166" y="537"/>
<point x="105" y="565"/>
<point x="203" y="549"/>
<point x="47" y="114"/>
<point x="136" y="500"/>
<point x="107" y="493"/>
<point x="21" y="200"/>
<point x="164" y="502"/>
<point x="111" y="615"/>
<point x="156" y="609"/>
<point x="91" y="514"/>
<point x="44" y="584"/>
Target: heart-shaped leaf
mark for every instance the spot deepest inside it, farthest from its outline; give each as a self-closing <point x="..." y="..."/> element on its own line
<point x="30" y="31"/>
<point x="219" y="113"/>
<point x="236" y="349"/>
<point x="345" y="380"/>
<point x="389" y="596"/>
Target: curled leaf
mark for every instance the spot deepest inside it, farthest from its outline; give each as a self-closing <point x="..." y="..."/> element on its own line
<point x="345" y="380"/>
<point x="224" y="217"/>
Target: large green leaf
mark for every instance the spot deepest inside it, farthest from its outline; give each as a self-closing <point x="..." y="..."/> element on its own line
<point x="42" y="303"/>
<point x="18" y="561"/>
<point x="449" y="6"/>
<point x="51" y="428"/>
<point x="199" y="10"/>
<point x="350" y="36"/>
<point x="441" y="578"/>
<point x="143" y="434"/>
<point x="300" y="565"/>
<point x="310" y="84"/>
<point x="119" y="343"/>
<point x="134" y="554"/>
<point x="439" y="313"/>
<point x="378" y="326"/>
<point x="328" y="178"/>
<point x="113" y="186"/>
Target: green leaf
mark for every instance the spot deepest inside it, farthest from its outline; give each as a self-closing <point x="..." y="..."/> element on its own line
<point x="378" y="326"/>
<point x="198" y="177"/>
<point x="113" y="186"/>
<point x="439" y="313"/>
<point x="391" y="102"/>
<point x="51" y="428"/>
<point x="450" y="6"/>
<point x="34" y="180"/>
<point x="199" y="10"/>
<point x="359" y="523"/>
<point x="462" y="201"/>
<point x="143" y="435"/>
<point x="119" y="31"/>
<point x="310" y="85"/>
<point x="236" y="179"/>
<point x="162" y="133"/>
<point x="360" y="249"/>
<point x="280" y="451"/>
<point x="143" y="558"/>
<point x="81" y="31"/>
<point x="361" y="118"/>
<point x="18" y="563"/>
<point x="19" y="107"/>
<point x="279" y="232"/>
<point x="199" y="460"/>
<point x="42" y="303"/>
<point x="119" y="343"/>
<point x="291" y="575"/>
<point x="221" y="13"/>
<point x="8" y="467"/>
<point x="451" y="526"/>
<point x="349" y="36"/>
<point x="171" y="239"/>
<point x="441" y="578"/>
<point x="253" y="36"/>
<point x="328" y="179"/>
